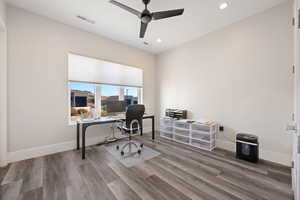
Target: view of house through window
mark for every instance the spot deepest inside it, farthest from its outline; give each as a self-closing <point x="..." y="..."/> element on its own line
<point x="131" y="95"/>
<point x="82" y="99"/>
<point x="113" y="99"/>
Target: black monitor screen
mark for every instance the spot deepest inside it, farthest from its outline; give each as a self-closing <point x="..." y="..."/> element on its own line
<point x="116" y="106"/>
<point x="80" y="101"/>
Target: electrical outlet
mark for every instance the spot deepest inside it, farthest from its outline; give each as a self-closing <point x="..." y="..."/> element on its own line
<point x="221" y="128"/>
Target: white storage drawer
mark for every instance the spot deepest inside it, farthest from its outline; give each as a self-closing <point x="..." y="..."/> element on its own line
<point x="201" y="136"/>
<point x="182" y="132"/>
<point x="166" y="135"/>
<point x="200" y="127"/>
<point x="182" y="125"/>
<point x="200" y="144"/>
<point x="181" y="139"/>
<point x="166" y="122"/>
<point x="166" y="129"/>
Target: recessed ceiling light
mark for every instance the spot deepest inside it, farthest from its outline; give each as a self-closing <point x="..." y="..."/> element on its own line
<point x="223" y="6"/>
<point x="159" y="40"/>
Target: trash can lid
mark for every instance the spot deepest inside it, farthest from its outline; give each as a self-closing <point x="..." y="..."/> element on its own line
<point x="247" y="138"/>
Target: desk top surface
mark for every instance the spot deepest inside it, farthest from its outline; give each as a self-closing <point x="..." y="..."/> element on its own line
<point x="109" y="119"/>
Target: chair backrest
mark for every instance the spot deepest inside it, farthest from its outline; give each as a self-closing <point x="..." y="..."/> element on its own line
<point x="135" y="112"/>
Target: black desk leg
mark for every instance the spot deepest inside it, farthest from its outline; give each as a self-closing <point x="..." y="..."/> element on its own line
<point x="141" y="129"/>
<point x="153" y="128"/>
<point x="83" y="141"/>
<point x="78" y="136"/>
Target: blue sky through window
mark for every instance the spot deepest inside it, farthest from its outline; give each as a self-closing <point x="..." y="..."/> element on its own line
<point x="82" y="86"/>
<point x="107" y="90"/>
<point x="110" y="90"/>
<point x="131" y="91"/>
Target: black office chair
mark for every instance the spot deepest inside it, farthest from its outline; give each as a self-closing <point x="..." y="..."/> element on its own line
<point x="132" y="124"/>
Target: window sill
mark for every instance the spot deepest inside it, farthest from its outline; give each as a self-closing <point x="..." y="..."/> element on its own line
<point x="72" y="123"/>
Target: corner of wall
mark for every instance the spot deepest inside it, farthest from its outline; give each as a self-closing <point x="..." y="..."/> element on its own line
<point x="3" y="85"/>
<point x="2" y="15"/>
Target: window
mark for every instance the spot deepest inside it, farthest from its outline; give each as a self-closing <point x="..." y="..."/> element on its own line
<point x="101" y="88"/>
<point x="82" y="99"/>
<point x="88" y="100"/>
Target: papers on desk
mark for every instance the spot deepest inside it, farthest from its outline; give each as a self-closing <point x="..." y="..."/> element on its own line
<point x="88" y="119"/>
<point x="105" y="119"/>
<point x="101" y="119"/>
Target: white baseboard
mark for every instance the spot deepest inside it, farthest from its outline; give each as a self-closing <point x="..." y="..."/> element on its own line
<point x="275" y="157"/>
<point x="48" y="149"/>
<point x="3" y="163"/>
<point x="34" y="152"/>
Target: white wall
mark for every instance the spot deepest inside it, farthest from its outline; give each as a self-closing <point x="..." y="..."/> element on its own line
<point x="241" y="77"/>
<point x="3" y="85"/>
<point x="37" y="80"/>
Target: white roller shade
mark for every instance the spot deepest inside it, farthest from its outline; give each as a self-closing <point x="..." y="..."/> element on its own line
<point x="85" y="69"/>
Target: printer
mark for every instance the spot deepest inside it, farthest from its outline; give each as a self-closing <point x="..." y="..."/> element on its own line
<point x="176" y="113"/>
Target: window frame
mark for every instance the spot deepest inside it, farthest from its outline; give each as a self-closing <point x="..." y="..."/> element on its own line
<point x="97" y="99"/>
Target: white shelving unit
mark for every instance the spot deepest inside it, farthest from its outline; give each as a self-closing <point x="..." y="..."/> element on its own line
<point x="195" y="134"/>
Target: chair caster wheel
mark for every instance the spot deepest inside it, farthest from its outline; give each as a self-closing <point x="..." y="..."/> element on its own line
<point x="122" y="153"/>
<point x="141" y="145"/>
<point x="139" y="152"/>
<point x="117" y="147"/>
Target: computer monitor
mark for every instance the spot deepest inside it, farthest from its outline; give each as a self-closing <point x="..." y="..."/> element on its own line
<point x="80" y="101"/>
<point x="116" y="106"/>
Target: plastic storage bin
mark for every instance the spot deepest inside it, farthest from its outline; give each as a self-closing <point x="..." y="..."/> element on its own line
<point x="182" y="132"/>
<point x="200" y="127"/>
<point x="205" y="137"/>
<point x="181" y="139"/>
<point x="166" y="135"/>
<point x="201" y="144"/>
<point x="182" y="124"/>
<point x="169" y="122"/>
<point x="166" y="129"/>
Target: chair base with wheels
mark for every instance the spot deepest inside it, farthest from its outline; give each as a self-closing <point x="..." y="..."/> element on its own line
<point x="129" y="146"/>
<point x="131" y="125"/>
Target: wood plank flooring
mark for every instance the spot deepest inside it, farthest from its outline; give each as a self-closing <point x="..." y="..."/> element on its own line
<point x="179" y="173"/>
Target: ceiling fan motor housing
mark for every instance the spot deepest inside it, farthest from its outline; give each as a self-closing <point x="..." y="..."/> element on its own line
<point x="146" y="16"/>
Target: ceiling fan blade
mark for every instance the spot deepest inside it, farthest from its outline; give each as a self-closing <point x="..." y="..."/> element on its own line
<point x="131" y="10"/>
<point x="167" y="14"/>
<point x="143" y="29"/>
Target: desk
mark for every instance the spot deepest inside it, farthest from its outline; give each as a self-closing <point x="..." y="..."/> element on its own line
<point x="84" y="124"/>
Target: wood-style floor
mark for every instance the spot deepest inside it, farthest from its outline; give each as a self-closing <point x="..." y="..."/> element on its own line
<point x="179" y="173"/>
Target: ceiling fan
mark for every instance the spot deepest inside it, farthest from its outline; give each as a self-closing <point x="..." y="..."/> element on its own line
<point x="146" y="16"/>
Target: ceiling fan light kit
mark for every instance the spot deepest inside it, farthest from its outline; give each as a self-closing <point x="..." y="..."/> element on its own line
<point x="146" y="16"/>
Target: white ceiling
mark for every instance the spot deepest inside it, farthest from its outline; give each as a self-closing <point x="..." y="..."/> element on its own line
<point x="200" y="17"/>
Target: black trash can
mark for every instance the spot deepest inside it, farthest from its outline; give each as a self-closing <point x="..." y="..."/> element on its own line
<point x="247" y="147"/>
